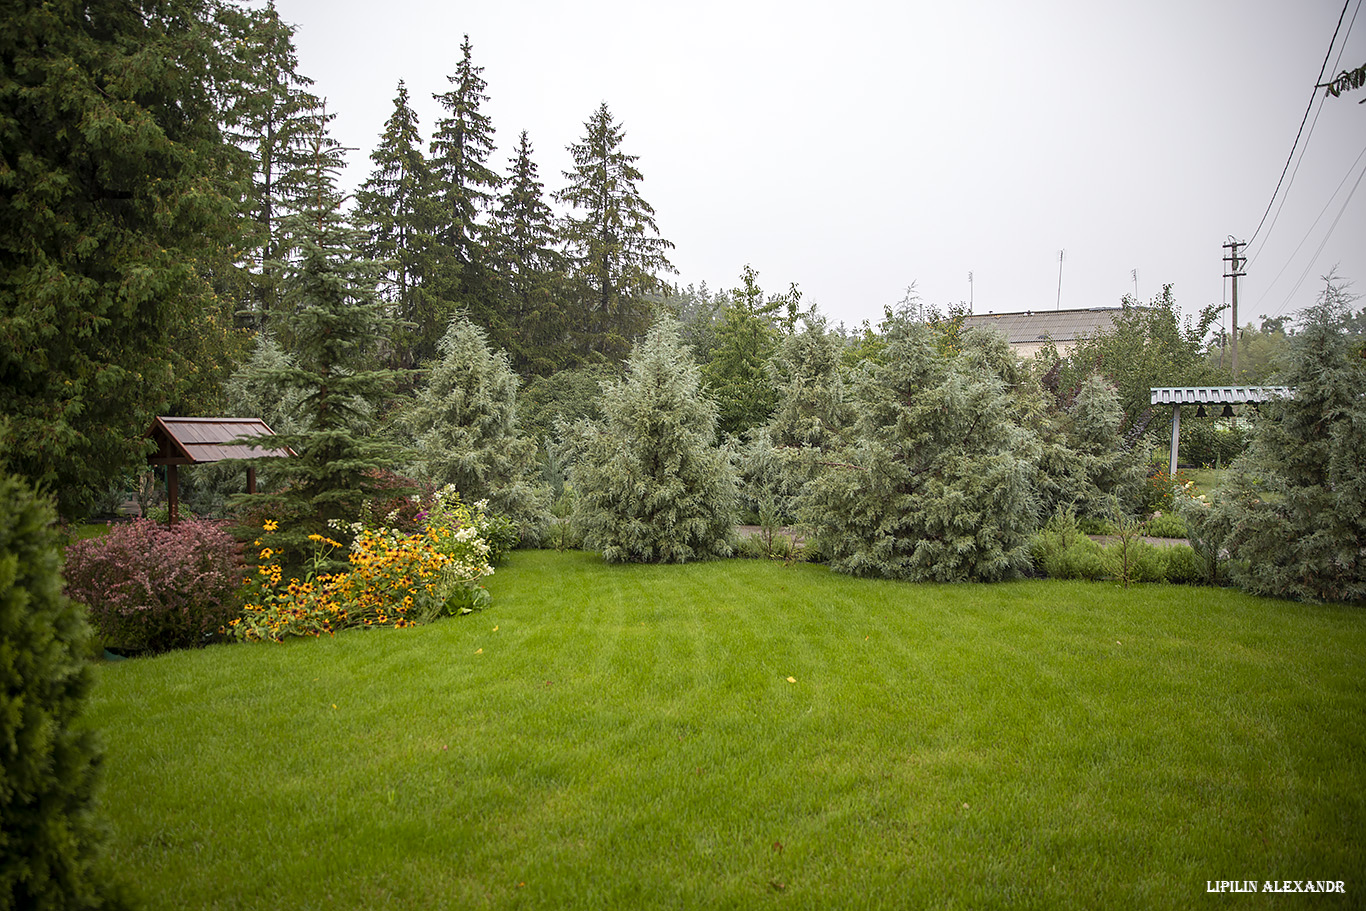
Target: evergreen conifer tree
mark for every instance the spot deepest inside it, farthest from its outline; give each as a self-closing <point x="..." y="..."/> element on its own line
<point x="1084" y="463"/>
<point x="532" y="327"/>
<point x="810" y="421"/>
<point x="395" y="207"/>
<point x="937" y="482"/>
<point x="611" y="237"/>
<point x="336" y="322"/>
<point x="652" y="485"/>
<point x="254" y="390"/>
<point x="737" y="371"/>
<point x="1289" y="514"/>
<point x="464" y="425"/>
<point x="51" y="838"/>
<point x="112" y="195"/>
<point x="273" y="116"/>
<point x="465" y="188"/>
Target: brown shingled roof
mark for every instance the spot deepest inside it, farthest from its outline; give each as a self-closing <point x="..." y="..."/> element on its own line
<point x="192" y="441"/>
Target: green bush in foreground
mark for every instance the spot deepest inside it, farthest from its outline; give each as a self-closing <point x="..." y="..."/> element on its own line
<point x="51" y="840"/>
<point x="1061" y="550"/>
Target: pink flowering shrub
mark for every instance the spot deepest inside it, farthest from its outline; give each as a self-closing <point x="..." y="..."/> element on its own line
<point x="151" y="588"/>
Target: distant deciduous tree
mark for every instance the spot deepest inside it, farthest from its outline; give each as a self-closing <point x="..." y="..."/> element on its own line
<point x="1149" y="345"/>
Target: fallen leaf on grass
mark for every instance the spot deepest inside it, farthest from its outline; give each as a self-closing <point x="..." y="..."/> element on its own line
<point x="791" y="679"/>
<point x="776" y="886"/>
<point x="479" y="651"/>
<point x="495" y="629"/>
<point x="778" y="846"/>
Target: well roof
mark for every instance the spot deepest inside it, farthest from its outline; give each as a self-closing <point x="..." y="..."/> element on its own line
<point x="192" y="441"/>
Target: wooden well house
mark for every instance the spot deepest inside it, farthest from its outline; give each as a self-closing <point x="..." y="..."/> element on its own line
<point x="196" y="441"/>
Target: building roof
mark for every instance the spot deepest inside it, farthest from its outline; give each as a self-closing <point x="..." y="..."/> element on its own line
<point x="191" y="441"/>
<point x="1216" y="395"/>
<point x="1034" y="326"/>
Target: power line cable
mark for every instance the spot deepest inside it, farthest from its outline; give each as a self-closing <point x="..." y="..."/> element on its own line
<point x="1324" y="243"/>
<point x="1314" y="94"/>
<point x="1295" y="173"/>
<point x="1309" y="232"/>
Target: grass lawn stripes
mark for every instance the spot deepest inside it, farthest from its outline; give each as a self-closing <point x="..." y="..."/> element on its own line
<point x="741" y="734"/>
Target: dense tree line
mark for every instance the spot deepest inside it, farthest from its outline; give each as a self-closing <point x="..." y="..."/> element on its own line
<point x="172" y="239"/>
<point x="160" y="165"/>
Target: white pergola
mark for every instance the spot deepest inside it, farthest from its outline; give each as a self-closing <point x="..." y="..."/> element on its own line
<point x="1176" y="396"/>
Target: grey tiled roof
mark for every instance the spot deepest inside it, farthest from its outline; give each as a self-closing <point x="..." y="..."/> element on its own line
<point x="1062" y="326"/>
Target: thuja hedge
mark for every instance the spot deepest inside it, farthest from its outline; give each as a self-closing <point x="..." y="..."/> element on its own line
<point x="51" y="844"/>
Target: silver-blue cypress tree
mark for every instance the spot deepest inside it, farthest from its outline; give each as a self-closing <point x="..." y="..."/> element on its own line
<point x="653" y="485"/>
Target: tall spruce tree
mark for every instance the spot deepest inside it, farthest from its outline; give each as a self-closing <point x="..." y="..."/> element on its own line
<point x="1288" y="517"/>
<point x="653" y="486"/>
<point x="937" y="483"/>
<point x="112" y="195"/>
<point x="525" y="254"/>
<point x="464" y="190"/>
<point x="463" y="424"/>
<point x="396" y="208"/>
<point x="273" y="116"/>
<point x="335" y="321"/>
<point x="611" y="237"/>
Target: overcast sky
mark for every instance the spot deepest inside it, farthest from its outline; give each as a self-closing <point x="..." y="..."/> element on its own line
<point x="856" y="147"/>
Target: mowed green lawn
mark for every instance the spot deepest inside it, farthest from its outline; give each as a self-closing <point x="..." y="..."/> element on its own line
<point x="628" y="737"/>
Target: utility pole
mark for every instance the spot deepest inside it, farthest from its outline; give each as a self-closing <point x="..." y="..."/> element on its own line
<point x="1235" y="272"/>
<point x="1060" y="253"/>
<point x="969" y="292"/>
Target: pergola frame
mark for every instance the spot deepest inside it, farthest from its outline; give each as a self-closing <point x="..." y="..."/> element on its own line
<point x="1176" y="396"/>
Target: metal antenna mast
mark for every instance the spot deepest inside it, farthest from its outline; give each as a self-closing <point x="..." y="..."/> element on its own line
<point x="1060" y="253"/>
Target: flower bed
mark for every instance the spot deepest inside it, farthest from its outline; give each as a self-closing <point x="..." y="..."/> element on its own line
<point x="395" y="579"/>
